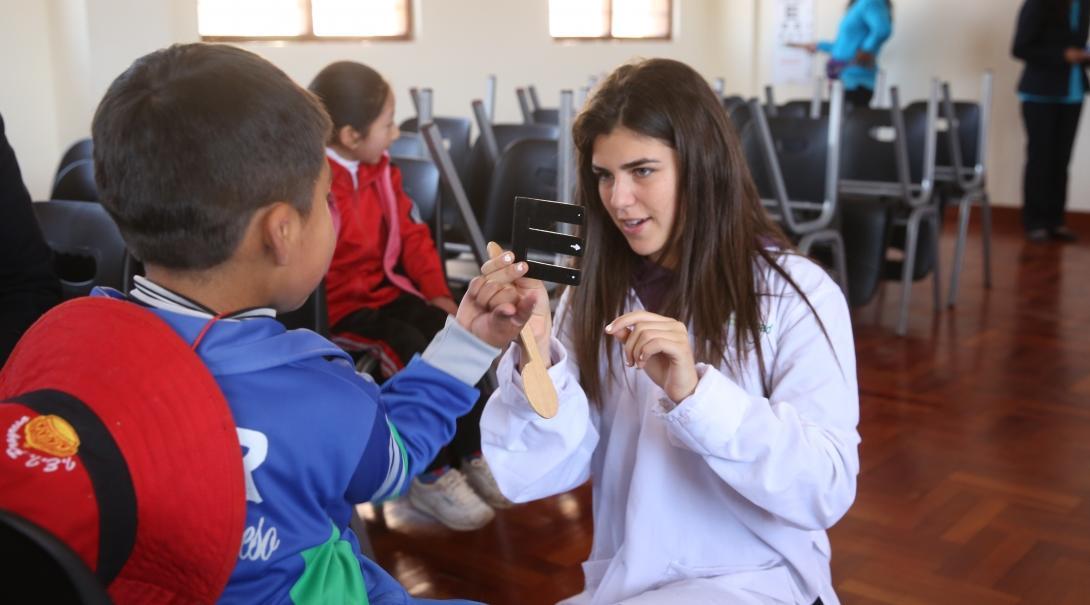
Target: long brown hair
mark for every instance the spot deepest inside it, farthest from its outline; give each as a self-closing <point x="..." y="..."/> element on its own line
<point x="720" y="230"/>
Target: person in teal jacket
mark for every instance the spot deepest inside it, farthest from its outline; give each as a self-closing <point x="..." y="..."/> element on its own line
<point x="853" y="55"/>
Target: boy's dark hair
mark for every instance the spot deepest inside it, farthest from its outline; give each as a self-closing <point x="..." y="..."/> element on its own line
<point x="353" y="94"/>
<point x="191" y="140"/>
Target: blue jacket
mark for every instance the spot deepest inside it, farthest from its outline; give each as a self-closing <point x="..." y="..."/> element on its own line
<point x="316" y="439"/>
<point x="865" y="27"/>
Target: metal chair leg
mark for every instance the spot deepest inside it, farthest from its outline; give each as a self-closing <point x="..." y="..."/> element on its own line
<point x="912" y="232"/>
<point x="965" y="209"/>
<point x="840" y="260"/>
<point x="986" y="236"/>
<point x="936" y="277"/>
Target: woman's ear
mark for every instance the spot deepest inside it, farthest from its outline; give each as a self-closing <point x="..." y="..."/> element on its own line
<point x="348" y="137"/>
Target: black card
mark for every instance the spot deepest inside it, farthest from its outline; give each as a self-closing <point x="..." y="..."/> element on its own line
<point x="531" y="231"/>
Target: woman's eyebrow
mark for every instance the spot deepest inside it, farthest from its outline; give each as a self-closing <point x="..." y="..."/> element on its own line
<point x="638" y="163"/>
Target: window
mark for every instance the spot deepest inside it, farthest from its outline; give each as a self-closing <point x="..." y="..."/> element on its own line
<point x="603" y="19"/>
<point x="230" y="20"/>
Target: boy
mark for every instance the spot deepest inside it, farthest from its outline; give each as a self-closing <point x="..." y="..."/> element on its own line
<point x="212" y="162"/>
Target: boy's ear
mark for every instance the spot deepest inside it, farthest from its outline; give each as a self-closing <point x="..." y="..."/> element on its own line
<point x="280" y="227"/>
<point x="348" y="136"/>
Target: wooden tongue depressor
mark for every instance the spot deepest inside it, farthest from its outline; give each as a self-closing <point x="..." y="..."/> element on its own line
<point x="536" y="382"/>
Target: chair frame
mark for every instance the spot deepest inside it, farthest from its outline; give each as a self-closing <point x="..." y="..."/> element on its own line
<point x="918" y="199"/>
<point x="971" y="182"/>
<point x="819" y="230"/>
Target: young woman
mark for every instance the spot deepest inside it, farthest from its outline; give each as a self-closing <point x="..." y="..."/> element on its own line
<point x="866" y="26"/>
<point x="386" y="289"/>
<point x="1051" y="39"/>
<point x="705" y="371"/>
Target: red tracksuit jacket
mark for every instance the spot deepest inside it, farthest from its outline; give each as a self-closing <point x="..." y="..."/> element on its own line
<point x="356" y="278"/>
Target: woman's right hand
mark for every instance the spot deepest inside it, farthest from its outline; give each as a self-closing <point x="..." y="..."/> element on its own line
<point x="810" y="47"/>
<point x="541" y="321"/>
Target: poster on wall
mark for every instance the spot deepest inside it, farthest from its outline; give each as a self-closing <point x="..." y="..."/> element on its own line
<point x="794" y="22"/>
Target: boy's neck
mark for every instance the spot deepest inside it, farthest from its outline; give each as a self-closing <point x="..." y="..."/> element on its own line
<point x="222" y="290"/>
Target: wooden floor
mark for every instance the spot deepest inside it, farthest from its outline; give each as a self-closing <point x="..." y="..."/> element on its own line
<point x="975" y="480"/>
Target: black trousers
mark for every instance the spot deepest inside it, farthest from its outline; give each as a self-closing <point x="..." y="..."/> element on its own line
<point x="407" y="326"/>
<point x="859" y="97"/>
<point x="1050" y="136"/>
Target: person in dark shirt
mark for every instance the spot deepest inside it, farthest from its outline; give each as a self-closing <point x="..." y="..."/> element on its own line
<point x="1051" y="40"/>
<point x="28" y="286"/>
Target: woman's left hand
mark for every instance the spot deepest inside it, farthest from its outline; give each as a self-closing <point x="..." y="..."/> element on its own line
<point x="660" y="346"/>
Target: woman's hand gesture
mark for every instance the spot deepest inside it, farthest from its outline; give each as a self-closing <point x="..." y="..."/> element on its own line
<point x="501" y="271"/>
<point x="659" y="346"/>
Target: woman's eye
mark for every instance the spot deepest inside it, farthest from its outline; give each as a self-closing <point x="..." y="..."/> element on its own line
<point x="643" y="171"/>
<point x="603" y="176"/>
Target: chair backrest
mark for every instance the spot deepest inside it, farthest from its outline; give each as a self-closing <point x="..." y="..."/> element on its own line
<point x="922" y="137"/>
<point x="82" y="149"/>
<point x="37" y="561"/>
<point x="967" y="117"/>
<point x="76" y="181"/>
<point x="420" y="180"/>
<point x="869" y="149"/>
<point x="800" y="147"/>
<point x="456" y="137"/>
<point x="313" y="315"/>
<point x="798" y="108"/>
<point x="464" y="219"/>
<point x="408" y="145"/>
<point x="740" y="116"/>
<point x="546" y="116"/>
<point x="528" y="167"/>
<point x="480" y="168"/>
<point x="801" y="163"/>
<point x="87" y="247"/>
<point x="732" y="102"/>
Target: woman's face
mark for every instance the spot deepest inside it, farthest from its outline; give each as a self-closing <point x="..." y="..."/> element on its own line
<point x="637" y="183"/>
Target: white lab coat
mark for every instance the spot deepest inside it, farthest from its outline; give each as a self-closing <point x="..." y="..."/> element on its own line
<point x="724" y="498"/>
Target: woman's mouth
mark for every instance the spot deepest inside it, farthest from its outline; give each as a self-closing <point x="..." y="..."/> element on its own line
<point x="633" y="226"/>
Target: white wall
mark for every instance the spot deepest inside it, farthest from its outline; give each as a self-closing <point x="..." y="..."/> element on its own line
<point x="60" y="55"/>
<point x="956" y="41"/>
<point x="27" y="94"/>
<point x="457" y="44"/>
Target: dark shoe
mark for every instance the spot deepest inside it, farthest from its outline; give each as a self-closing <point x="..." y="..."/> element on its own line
<point x="1063" y="234"/>
<point x="1038" y="236"/>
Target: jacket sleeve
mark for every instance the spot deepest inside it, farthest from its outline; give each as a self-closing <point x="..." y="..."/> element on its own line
<point x="417" y="410"/>
<point x="418" y="254"/>
<point x="793" y="454"/>
<point x="879" y="27"/>
<point x="1029" y="44"/>
<point x="534" y="457"/>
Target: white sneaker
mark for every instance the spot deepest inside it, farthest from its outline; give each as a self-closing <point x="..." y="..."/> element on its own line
<point x="480" y="477"/>
<point x="451" y="501"/>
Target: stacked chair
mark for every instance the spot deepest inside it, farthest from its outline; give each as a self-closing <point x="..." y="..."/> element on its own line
<point x="876" y="170"/>
<point x="532" y="111"/>
<point x="783" y="153"/>
<point x="960" y="172"/>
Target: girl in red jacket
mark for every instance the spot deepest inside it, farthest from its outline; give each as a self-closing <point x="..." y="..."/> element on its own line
<point x="386" y="291"/>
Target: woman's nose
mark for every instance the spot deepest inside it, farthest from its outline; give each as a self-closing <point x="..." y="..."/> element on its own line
<point x="620" y="194"/>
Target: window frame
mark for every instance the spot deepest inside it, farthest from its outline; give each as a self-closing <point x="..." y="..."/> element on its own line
<point x="310" y="36"/>
<point x="609" y="37"/>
